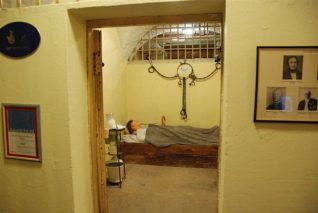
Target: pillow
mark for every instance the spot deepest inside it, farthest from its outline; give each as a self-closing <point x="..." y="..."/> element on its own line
<point x="130" y="138"/>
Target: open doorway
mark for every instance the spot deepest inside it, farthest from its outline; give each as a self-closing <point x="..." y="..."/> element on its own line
<point x="132" y="92"/>
<point x="97" y="102"/>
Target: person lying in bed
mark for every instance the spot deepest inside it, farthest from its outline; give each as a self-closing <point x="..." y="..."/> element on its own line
<point x="134" y="127"/>
<point x="164" y="135"/>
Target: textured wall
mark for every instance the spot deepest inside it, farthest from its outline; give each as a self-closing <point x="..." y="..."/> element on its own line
<point x="78" y="115"/>
<point x="149" y="96"/>
<point x="40" y="78"/>
<point x="55" y="77"/>
<point x="265" y="167"/>
<point x="114" y="76"/>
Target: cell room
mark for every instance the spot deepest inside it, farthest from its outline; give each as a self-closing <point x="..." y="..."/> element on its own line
<point x="141" y="72"/>
<point x="166" y="78"/>
<point x="132" y="92"/>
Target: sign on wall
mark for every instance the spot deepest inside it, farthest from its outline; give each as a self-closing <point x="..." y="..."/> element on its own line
<point x="19" y="39"/>
<point x="22" y="131"/>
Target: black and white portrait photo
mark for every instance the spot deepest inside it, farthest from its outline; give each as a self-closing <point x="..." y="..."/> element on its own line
<point x="292" y="67"/>
<point x="276" y="98"/>
<point x="307" y="99"/>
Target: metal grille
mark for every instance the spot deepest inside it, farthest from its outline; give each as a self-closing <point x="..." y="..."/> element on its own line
<point x="179" y="41"/>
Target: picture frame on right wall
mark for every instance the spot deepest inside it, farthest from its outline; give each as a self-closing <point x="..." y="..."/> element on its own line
<point x="286" y="84"/>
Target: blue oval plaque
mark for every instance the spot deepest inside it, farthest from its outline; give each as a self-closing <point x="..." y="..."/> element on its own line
<point x="18" y="39"/>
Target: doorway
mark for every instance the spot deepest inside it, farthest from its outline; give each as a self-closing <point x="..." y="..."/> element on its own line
<point x="95" y="91"/>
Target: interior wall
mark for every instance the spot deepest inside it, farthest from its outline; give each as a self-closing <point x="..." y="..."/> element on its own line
<point x="149" y="96"/>
<point x="54" y="77"/>
<point x="81" y="158"/>
<point x="264" y="166"/>
<point x="131" y="92"/>
<point x="41" y="79"/>
<point x="114" y="87"/>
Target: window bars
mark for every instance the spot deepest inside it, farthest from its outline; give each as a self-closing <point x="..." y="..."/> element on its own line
<point x="179" y="41"/>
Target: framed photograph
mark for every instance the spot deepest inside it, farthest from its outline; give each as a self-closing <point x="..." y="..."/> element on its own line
<point x="21" y="125"/>
<point x="286" y="84"/>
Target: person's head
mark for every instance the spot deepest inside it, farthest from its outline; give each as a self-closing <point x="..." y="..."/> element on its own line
<point x="308" y="94"/>
<point x="292" y="63"/>
<point x="132" y="126"/>
<point x="276" y="95"/>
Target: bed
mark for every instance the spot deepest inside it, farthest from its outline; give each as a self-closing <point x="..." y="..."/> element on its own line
<point x="173" y="146"/>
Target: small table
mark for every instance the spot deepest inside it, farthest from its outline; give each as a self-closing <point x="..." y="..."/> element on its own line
<point x="117" y="132"/>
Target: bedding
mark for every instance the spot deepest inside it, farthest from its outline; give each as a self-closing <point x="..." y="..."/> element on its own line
<point x="161" y="136"/>
<point x="131" y="138"/>
<point x="172" y="146"/>
<point x="164" y="136"/>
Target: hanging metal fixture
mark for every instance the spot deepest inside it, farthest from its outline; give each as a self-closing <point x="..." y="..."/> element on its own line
<point x="185" y="71"/>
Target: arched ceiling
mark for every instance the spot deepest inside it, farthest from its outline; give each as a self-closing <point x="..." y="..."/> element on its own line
<point x="130" y="35"/>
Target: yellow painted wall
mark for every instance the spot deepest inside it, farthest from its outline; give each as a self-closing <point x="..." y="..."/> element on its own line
<point x="39" y="79"/>
<point x="131" y="92"/>
<point x="113" y="75"/>
<point x="265" y="167"/>
<point x="54" y="77"/>
<point x="149" y="96"/>
<point x="78" y="115"/>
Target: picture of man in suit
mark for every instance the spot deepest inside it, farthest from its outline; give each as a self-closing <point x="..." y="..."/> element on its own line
<point x="292" y="69"/>
<point x="308" y="104"/>
<point x="277" y="101"/>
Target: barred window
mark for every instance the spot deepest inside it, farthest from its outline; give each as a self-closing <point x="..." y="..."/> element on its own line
<point x="179" y="41"/>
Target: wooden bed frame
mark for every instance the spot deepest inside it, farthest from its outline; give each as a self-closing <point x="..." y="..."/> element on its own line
<point x="199" y="156"/>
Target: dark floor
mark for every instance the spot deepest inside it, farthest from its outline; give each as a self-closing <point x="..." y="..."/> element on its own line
<point x="161" y="189"/>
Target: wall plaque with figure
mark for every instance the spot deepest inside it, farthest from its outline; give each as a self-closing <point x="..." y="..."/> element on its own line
<point x="19" y="39"/>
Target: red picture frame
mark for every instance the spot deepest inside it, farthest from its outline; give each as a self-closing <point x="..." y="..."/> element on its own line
<point x="21" y="124"/>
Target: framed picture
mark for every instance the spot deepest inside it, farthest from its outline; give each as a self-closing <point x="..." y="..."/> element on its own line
<point x="21" y="125"/>
<point x="286" y="84"/>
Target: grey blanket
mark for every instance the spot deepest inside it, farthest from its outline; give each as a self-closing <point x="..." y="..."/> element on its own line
<point x="165" y="136"/>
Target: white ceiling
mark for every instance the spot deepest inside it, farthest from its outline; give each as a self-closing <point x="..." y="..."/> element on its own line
<point x="130" y="36"/>
<point x="104" y="11"/>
